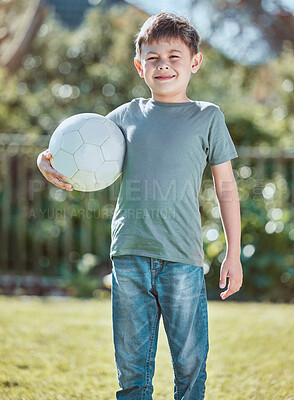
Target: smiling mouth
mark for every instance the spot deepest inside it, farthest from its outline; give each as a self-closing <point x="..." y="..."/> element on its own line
<point x="164" y="78"/>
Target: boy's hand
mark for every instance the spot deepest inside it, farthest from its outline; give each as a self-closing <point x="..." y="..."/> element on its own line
<point x="231" y="268"/>
<point x="50" y="173"/>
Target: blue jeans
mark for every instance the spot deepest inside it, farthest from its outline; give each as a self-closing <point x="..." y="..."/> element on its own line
<point x="143" y="288"/>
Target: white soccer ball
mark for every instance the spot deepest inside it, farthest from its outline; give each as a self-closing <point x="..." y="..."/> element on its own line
<point x="89" y="150"/>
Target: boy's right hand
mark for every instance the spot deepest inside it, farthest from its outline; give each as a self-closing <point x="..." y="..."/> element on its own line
<point x="50" y="173"/>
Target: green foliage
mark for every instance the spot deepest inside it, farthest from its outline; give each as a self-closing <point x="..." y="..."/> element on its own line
<point x="81" y="282"/>
<point x="68" y="72"/>
<point x="267" y="233"/>
<point x="91" y="69"/>
<point x="82" y="285"/>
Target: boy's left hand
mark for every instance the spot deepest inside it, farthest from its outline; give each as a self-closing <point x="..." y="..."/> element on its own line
<point x="231" y="268"/>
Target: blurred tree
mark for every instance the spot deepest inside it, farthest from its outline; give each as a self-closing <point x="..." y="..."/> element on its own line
<point x="71" y="12"/>
<point x="20" y="21"/>
<point x="91" y="69"/>
<point x="250" y="31"/>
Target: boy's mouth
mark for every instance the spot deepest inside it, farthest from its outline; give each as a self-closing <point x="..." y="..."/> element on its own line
<point x="164" y="77"/>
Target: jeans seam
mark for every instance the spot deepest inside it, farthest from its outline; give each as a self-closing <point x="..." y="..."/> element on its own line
<point x="149" y="355"/>
<point x="203" y="391"/>
<point x="203" y="306"/>
<point x="174" y="369"/>
<point x="203" y="293"/>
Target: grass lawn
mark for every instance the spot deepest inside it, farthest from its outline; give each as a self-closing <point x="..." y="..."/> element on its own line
<point x="61" y="349"/>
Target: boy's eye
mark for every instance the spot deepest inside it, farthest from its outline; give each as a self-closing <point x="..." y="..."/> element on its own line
<point x="153" y="58"/>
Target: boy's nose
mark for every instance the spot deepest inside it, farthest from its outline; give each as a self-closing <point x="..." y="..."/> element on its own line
<point x="163" y="66"/>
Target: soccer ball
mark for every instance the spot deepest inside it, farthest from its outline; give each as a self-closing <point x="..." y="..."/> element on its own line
<point x="89" y="150"/>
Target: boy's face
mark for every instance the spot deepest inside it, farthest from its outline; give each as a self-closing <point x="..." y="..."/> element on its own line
<point x="166" y="67"/>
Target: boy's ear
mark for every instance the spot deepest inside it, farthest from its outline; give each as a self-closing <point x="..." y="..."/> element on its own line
<point x="196" y="62"/>
<point x="139" y="67"/>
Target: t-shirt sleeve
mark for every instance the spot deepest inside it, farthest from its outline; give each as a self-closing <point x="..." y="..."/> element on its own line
<point x="114" y="116"/>
<point x="220" y="144"/>
<point x="117" y="116"/>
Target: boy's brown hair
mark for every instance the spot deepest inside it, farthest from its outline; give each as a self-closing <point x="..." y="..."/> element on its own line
<point x="167" y="25"/>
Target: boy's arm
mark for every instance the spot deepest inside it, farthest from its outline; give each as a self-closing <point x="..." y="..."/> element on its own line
<point x="227" y="194"/>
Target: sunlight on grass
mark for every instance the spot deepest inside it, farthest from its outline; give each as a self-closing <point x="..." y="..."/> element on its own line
<point x="62" y="349"/>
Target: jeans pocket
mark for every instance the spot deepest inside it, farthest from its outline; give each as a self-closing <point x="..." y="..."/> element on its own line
<point x="128" y="275"/>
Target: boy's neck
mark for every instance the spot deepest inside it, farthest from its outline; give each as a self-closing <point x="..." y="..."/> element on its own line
<point x="171" y="99"/>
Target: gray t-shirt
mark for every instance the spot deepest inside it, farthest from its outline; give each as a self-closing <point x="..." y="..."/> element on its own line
<point x="167" y="148"/>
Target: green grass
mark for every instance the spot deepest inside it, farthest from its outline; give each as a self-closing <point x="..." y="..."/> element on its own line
<point x="62" y="349"/>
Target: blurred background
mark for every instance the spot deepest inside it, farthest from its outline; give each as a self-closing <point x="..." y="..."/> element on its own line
<point x="59" y="58"/>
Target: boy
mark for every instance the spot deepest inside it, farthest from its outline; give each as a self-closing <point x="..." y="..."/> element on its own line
<point x="156" y="249"/>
